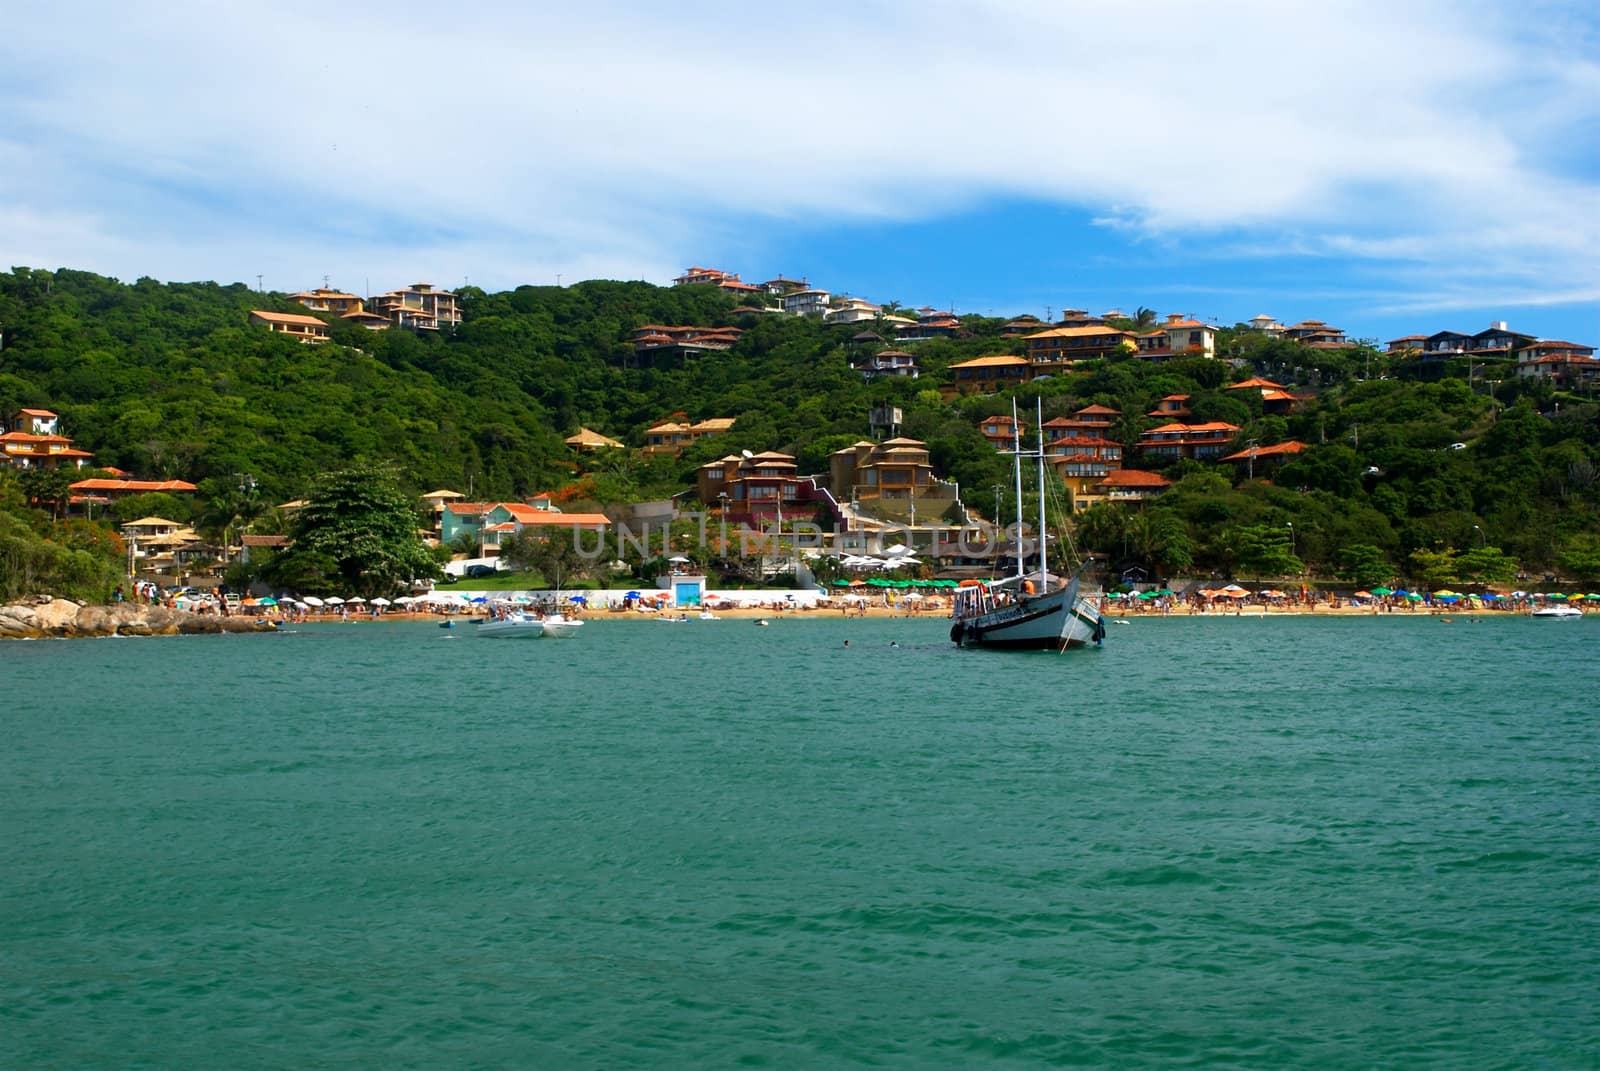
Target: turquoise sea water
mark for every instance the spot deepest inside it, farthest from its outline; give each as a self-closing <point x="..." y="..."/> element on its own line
<point x="1318" y="843"/>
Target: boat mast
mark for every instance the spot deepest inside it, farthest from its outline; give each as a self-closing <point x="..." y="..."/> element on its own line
<point x="1044" y="567"/>
<point x="1016" y="470"/>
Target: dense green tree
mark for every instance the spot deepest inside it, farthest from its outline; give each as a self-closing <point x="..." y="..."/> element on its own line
<point x="1364" y="565"/>
<point x="357" y="534"/>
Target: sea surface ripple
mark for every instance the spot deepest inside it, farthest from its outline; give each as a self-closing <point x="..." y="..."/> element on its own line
<point x="1215" y="843"/>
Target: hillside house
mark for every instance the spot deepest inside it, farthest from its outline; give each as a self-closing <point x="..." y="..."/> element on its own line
<point x="306" y="329"/>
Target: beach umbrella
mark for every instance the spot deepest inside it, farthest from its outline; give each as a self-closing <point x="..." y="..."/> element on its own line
<point x="576" y="598"/>
<point x="1444" y="593"/>
<point x="334" y="600"/>
<point x="1382" y="591"/>
<point x="311" y="600"/>
<point x="355" y="598"/>
<point x="841" y="583"/>
<point x="266" y="600"/>
<point x="381" y="602"/>
<point x="1448" y="598"/>
<point x="631" y="595"/>
<point x="1413" y="596"/>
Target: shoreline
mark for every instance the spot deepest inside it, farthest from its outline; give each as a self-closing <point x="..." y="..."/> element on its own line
<point x="64" y="619"/>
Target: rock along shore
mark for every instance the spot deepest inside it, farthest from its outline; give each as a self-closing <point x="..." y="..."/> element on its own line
<point x="63" y="618"/>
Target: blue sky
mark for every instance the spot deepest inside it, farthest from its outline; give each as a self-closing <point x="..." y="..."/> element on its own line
<point x="1389" y="168"/>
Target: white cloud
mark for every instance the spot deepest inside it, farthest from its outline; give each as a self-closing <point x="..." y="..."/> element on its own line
<point x="511" y="142"/>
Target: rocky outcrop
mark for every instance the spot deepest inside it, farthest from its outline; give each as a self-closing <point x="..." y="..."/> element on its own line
<point x="63" y="618"/>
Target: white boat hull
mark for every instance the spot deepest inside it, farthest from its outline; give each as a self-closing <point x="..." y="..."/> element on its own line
<point x="517" y="626"/>
<point x="557" y="627"/>
<point x="1053" y="621"/>
<point x="1559" y="613"/>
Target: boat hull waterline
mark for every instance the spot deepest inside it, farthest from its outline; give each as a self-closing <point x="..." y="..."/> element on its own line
<point x="1054" y="621"/>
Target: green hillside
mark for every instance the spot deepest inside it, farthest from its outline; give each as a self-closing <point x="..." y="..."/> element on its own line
<point x="170" y="381"/>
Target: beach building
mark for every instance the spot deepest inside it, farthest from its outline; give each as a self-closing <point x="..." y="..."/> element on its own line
<point x="1081" y="462"/>
<point x="419" y="307"/>
<point x="929" y="325"/>
<point x="758" y="488"/>
<point x="985" y="375"/>
<point x="305" y="329"/>
<point x="111" y="490"/>
<point x="1178" y="337"/>
<point x="1066" y="346"/>
<point x="1172" y="407"/>
<point x="1265" y="460"/>
<point x="722" y="280"/>
<point x="34" y="441"/>
<point x="1202" y="442"/>
<point x="1566" y="364"/>
<point x="591" y="442"/>
<point x="1133" y="485"/>
<point x="323" y="299"/>
<point x="493" y="524"/>
<point x="889" y="363"/>
<point x="1276" y="399"/>
<point x="1003" y="432"/>
<point x="892" y="481"/>
<point x="657" y="340"/>
<point x="671" y="437"/>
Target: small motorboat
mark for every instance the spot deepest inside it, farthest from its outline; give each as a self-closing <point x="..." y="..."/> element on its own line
<point x="513" y="625"/>
<point x="1560" y="612"/>
<point x="447" y="624"/>
<point x="762" y="622"/>
<point x="560" y="626"/>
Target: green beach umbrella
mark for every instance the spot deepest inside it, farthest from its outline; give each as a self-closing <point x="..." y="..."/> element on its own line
<point x="1383" y="591"/>
<point x="841" y="583"/>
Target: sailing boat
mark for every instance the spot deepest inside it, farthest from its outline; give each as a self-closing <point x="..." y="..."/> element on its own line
<point x="1024" y="612"/>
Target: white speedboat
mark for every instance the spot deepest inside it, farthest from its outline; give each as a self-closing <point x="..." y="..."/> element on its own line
<point x="515" y="624"/>
<point x="560" y="626"/>
<point x="1561" y="610"/>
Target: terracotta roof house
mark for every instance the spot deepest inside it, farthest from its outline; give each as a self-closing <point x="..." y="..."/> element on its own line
<point x="753" y="489"/>
<point x="1260" y="460"/>
<point x="1199" y="441"/>
<point x="1133" y="485"/>
<point x="587" y="442"/>
<point x="114" y="489"/>
<point x="419" y="307"/>
<point x="986" y="375"/>
<point x="1567" y="364"/>
<point x="1178" y="337"/>
<point x="1069" y="345"/>
<point x="1171" y="407"/>
<point x="671" y="436"/>
<point x="1002" y="431"/>
<point x="307" y="329"/>
<point x="492" y="524"/>
<point x="324" y="300"/>
<point x="1276" y="399"/>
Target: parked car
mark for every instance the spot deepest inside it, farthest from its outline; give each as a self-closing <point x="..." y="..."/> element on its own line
<point x="480" y="570"/>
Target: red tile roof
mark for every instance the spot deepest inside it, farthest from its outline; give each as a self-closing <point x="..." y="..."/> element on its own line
<point x="1275" y="450"/>
<point x="1134" y="478"/>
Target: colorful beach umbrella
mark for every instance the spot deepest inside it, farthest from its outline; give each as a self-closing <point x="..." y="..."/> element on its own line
<point x="1382" y="591"/>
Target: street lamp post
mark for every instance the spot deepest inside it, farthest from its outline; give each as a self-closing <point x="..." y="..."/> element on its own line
<point x="1290" y="525"/>
<point x="1483" y="540"/>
